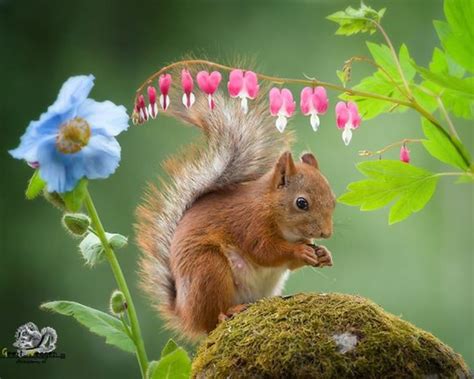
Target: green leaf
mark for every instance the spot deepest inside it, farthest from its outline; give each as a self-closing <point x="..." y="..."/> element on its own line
<point x="380" y="84"/>
<point x="35" y="186"/>
<point x="75" y="198"/>
<point x="407" y="186"/>
<point x="169" y="348"/>
<point x="151" y="369"/>
<point x="453" y="100"/>
<point x="92" y="250"/>
<point x="465" y="87"/>
<point x="383" y="57"/>
<point x="96" y="321"/>
<point x="175" y="365"/>
<point x="457" y="35"/>
<point x="352" y="21"/>
<point x="466" y="178"/>
<point x="440" y="146"/>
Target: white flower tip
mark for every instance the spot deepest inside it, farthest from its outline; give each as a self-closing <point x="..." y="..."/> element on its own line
<point x="347" y="135"/>
<point x="245" y="105"/>
<point x="314" y="120"/>
<point x="164" y="102"/>
<point x="188" y="101"/>
<point x="211" y="102"/>
<point x="153" y="110"/>
<point x="281" y="123"/>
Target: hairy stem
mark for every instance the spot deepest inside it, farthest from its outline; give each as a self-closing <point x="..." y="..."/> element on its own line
<point x="122" y="284"/>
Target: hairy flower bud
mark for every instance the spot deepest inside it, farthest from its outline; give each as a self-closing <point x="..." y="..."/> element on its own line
<point x="118" y="304"/>
<point x="76" y="223"/>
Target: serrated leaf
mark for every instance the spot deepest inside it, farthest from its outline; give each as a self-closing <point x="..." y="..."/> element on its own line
<point x="407" y="186"/>
<point x="92" y="249"/>
<point x="74" y="199"/>
<point x="35" y="186"/>
<point x="465" y="87"/>
<point x="383" y="57"/>
<point x="352" y="21"/>
<point x="453" y="100"/>
<point x="457" y="35"/>
<point x="380" y="84"/>
<point x="169" y="348"/>
<point x="175" y="365"/>
<point x="440" y="146"/>
<point x="96" y="321"/>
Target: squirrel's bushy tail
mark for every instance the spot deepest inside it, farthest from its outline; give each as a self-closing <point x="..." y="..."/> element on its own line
<point x="237" y="148"/>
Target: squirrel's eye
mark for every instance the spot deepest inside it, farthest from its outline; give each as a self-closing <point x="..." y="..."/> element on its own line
<point x="302" y="203"/>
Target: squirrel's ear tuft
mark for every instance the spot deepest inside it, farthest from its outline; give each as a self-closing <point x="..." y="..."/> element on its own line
<point x="284" y="169"/>
<point x="310" y="159"/>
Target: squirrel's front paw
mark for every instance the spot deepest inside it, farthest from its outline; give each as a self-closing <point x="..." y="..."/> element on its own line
<point x="307" y="254"/>
<point x="324" y="256"/>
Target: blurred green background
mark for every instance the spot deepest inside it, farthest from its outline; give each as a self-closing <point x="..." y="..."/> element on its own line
<point x="421" y="269"/>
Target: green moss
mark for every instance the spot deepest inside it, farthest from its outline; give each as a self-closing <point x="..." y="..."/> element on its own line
<point x="295" y="337"/>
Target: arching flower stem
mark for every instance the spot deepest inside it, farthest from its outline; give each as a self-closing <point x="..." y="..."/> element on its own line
<point x="409" y="102"/>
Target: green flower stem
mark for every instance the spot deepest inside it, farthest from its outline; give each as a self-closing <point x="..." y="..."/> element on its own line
<point x="122" y="284"/>
<point x="368" y="153"/>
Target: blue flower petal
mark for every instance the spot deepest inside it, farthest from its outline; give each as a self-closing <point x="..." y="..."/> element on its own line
<point x="101" y="156"/>
<point x="73" y="92"/>
<point x="36" y="133"/>
<point x="111" y="118"/>
<point x="60" y="171"/>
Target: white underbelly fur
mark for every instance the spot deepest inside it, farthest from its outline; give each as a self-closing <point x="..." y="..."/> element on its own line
<point x="253" y="282"/>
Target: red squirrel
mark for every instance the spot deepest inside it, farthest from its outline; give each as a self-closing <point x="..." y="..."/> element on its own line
<point x="236" y="215"/>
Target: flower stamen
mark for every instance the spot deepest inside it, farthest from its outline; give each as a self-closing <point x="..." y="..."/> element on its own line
<point x="73" y="136"/>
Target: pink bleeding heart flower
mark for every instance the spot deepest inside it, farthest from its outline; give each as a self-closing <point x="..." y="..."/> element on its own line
<point x="314" y="101"/>
<point x="165" y="84"/>
<point x="404" y="154"/>
<point x="152" y="106"/>
<point x="208" y="84"/>
<point x="282" y="105"/>
<point x="141" y="109"/>
<point x="188" y="85"/>
<point x="243" y="84"/>
<point x="347" y="118"/>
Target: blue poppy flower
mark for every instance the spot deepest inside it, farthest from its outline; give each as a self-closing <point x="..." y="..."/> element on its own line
<point x="75" y="138"/>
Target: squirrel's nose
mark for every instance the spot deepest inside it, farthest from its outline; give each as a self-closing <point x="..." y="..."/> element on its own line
<point x="326" y="233"/>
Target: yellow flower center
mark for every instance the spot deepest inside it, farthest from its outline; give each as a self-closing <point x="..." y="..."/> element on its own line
<point x="73" y="136"/>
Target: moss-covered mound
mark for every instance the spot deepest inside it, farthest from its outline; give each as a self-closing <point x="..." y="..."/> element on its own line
<point x="323" y="336"/>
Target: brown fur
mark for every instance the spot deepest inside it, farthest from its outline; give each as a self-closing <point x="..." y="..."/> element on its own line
<point x="223" y="201"/>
